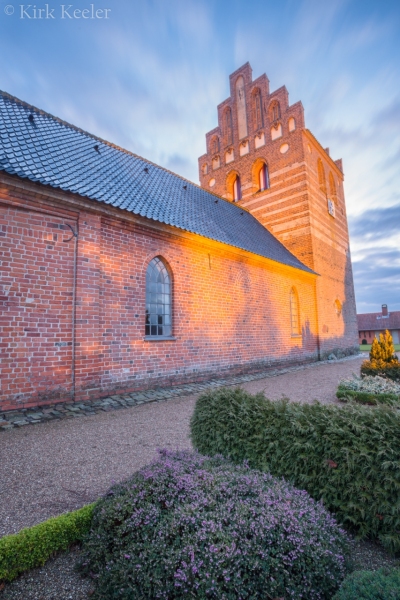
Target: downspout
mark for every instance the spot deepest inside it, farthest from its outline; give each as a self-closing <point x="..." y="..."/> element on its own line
<point x="75" y="238"/>
<point x="317" y="320"/>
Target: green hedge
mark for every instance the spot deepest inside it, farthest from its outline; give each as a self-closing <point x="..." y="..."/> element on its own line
<point x="347" y="456"/>
<point x="32" y="547"/>
<point x="344" y="393"/>
<point x="371" y="585"/>
<point x="390" y="370"/>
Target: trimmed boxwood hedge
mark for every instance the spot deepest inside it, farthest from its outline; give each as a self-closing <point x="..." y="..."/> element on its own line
<point x="346" y="456"/>
<point x="344" y="393"/>
<point x="33" y="546"/>
<point x="371" y="585"/>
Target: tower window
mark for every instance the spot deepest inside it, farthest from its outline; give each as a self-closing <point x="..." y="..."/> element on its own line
<point x="321" y="176"/>
<point x="258" y="110"/>
<point x="332" y="186"/>
<point x="237" y="189"/>
<point x="275" y="111"/>
<point x="228" y="127"/>
<point x="158" y="299"/>
<point x="214" y="145"/>
<point x="263" y="178"/>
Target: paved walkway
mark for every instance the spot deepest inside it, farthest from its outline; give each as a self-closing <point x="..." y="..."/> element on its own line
<point x="67" y="461"/>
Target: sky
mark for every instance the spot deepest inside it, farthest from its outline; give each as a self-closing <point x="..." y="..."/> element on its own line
<point x="148" y="75"/>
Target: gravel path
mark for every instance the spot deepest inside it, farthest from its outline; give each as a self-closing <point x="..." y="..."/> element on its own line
<point x="54" y="467"/>
<point x="58" y="466"/>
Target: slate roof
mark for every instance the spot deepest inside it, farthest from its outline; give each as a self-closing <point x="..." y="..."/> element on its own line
<point x="377" y="322"/>
<point x="42" y="148"/>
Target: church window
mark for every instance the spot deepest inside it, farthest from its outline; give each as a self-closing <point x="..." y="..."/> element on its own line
<point x="158" y="299"/>
<point x="263" y="178"/>
<point x="321" y="176"/>
<point x="214" y="145"/>
<point x="204" y="169"/>
<point x="294" y="312"/>
<point x="275" y="111"/>
<point x="292" y="124"/>
<point x="241" y="108"/>
<point x="332" y="186"/>
<point x="237" y="189"/>
<point x="258" y="110"/>
<point x="228" y="127"/>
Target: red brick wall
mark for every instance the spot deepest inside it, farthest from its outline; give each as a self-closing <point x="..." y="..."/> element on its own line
<point x="231" y="310"/>
<point x="36" y="307"/>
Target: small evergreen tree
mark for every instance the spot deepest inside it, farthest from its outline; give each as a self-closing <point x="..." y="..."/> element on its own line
<point x="383" y="350"/>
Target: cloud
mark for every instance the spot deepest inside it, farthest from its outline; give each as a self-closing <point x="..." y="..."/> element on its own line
<point x="377" y="279"/>
<point x="376" y="224"/>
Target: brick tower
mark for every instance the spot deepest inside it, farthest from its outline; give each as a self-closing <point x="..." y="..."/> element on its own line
<point x="262" y="156"/>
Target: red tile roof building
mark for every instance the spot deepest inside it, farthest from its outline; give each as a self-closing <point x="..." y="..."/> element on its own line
<point x="370" y="325"/>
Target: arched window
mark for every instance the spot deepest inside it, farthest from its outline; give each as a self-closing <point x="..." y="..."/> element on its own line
<point x="275" y="111"/>
<point x="263" y="178"/>
<point x="294" y="312"/>
<point x="158" y="299"/>
<point x="332" y="186"/>
<point x="321" y="176"/>
<point x="292" y="124"/>
<point x="228" y="126"/>
<point x="258" y="116"/>
<point x="214" y="145"/>
<point x="237" y="189"/>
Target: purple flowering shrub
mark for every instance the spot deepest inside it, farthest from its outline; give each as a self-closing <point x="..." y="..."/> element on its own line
<point x="190" y="526"/>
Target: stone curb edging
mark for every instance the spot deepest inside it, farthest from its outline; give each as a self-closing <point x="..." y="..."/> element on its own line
<point x="70" y="410"/>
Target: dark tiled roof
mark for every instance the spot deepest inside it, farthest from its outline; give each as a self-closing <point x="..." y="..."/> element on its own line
<point x="44" y="149"/>
<point x="377" y="322"/>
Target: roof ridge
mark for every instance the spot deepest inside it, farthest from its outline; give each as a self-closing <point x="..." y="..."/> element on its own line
<point x="112" y="145"/>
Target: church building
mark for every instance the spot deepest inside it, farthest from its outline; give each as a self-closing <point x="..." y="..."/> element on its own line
<point x="118" y="275"/>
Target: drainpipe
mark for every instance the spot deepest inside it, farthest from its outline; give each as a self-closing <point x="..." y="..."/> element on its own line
<point x="317" y="319"/>
<point x="74" y="237"/>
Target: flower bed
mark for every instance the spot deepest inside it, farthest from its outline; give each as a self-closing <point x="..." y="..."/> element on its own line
<point x="189" y="526"/>
<point x="369" y="390"/>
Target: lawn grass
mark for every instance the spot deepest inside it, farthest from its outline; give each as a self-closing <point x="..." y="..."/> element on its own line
<point x="367" y="347"/>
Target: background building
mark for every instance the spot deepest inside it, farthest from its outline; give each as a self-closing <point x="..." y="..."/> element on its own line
<point x="370" y="325"/>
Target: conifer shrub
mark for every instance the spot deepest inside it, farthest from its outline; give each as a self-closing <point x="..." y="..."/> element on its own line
<point x="346" y="456"/>
<point x="189" y="526"/>
<point x="383" y="361"/>
<point x="381" y="369"/>
<point x="371" y="585"/>
<point x="383" y="350"/>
